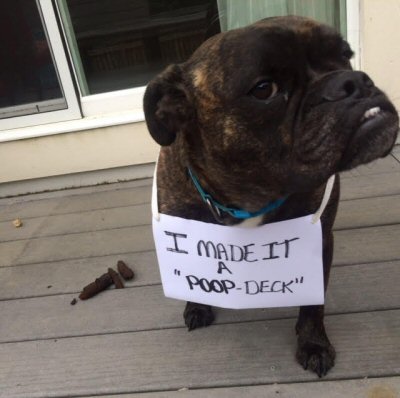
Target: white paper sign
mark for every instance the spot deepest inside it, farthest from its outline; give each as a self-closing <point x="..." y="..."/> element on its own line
<point x="273" y="265"/>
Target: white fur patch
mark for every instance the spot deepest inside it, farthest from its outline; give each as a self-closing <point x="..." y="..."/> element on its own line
<point x="250" y="222"/>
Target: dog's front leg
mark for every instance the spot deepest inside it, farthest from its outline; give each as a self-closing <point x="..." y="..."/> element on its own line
<point x="314" y="350"/>
<point x="197" y="315"/>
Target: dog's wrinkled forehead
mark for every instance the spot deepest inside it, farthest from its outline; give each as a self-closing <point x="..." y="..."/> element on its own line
<point x="268" y="48"/>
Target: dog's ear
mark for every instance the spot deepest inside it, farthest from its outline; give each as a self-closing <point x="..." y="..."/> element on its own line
<point x="166" y="105"/>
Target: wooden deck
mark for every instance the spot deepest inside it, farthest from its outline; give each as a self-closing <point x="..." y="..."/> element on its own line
<point x="133" y="341"/>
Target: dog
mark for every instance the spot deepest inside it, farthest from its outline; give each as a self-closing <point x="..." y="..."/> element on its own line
<point x="264" y="112"/>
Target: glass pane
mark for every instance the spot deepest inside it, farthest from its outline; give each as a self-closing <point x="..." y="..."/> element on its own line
<point x="28" y="79"/>
<point x="124" y="43"/>
<point x="238" y="13"/>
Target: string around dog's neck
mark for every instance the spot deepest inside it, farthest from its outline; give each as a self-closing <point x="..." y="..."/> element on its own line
<point x="217" y="208"/>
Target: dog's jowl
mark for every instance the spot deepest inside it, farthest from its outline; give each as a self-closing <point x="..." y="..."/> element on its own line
<point x="266" y="114"/>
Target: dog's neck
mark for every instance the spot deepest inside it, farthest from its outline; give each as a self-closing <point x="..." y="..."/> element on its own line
<point x="219" y="210"/>
<point x="178" y="195"/>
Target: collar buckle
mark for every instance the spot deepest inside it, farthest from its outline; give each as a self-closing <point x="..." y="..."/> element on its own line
<point x="216" y="212"/>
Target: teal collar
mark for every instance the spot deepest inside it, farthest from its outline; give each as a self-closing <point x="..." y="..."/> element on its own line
<point x="217" y="207"/>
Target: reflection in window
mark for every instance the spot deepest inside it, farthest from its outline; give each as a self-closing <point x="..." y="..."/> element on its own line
<point x="124" y="43"/>
<point x="28" y="79"/>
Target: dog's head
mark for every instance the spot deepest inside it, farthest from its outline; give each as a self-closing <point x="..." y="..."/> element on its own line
<point x="273" y="106"/>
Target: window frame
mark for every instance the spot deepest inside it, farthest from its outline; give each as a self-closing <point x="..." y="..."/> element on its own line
<point x="45" y="8"/>
<point x="115" y="107"/>
<point x="353" y="12"/>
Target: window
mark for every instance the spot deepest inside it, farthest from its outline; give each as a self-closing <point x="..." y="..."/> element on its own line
<point x="111" y="50"/>
<point x="123" y="43"/>
<point x="32" y="90"/>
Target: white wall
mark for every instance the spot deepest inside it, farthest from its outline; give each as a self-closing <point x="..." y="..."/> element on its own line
<point x="380" y="44"/>
<point x="89" y="150"/>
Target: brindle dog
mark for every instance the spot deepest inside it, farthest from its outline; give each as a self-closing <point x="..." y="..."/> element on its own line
<point x="268" y="111"/>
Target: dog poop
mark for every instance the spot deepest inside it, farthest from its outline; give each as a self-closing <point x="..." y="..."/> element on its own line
<point x="125" y="271"/>
<point x="106" y="280"/>
<point x="97" y="286"/>
<point x="116" y="279"/>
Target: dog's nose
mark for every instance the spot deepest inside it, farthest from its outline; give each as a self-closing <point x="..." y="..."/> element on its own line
<point x="347" y="84"/>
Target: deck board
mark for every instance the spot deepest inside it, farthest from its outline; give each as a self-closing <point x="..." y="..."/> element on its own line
<point x="368" y="212"/>
<point x="77" y="203"/>
<point x="365" y="245"/>
<point x="145" y="308"/>
<point x="368" y="186"/>
<point x="222" y="355"/>
<point x="352" y="214"/>
<point x="79" y="245"/>
<point x="380" y="166"/>
<point x="361" y="245"/>
<point x="68" y="276"/>
<point x="396" y="153"/>
<point x="383" y="387"/>
<point x="87" y="221"/>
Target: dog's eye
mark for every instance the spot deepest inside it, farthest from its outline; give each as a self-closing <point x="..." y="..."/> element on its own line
<point x="264" y="90"/>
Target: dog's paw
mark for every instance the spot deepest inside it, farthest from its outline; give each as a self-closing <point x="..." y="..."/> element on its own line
<point x="197" y="315"/>
<point x="318" y="357"/>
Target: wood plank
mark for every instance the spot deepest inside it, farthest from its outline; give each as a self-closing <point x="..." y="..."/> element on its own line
<point x="381" y="387"/>
<point x="362" y="245"/>
<point x="396" y="152"/>
<point x="352" y="188"/>
<point x="96" y="220"/>
<point x="352" y="214"/>
<point x="368" y="212"/>
<point x="352" y="289"/>
<point x="70" y="276"/>
<point x="80" y="245"/>
<point x="366" y="245"/>
<point x="385" y="165"/>
<point x="370" y="186"/>
<point x="76" y="203"/>
<point x="367" y="344"/>
<point x="115" y="186"/>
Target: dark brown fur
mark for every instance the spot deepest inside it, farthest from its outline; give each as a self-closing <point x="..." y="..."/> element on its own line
<point x="247" y="152"/>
